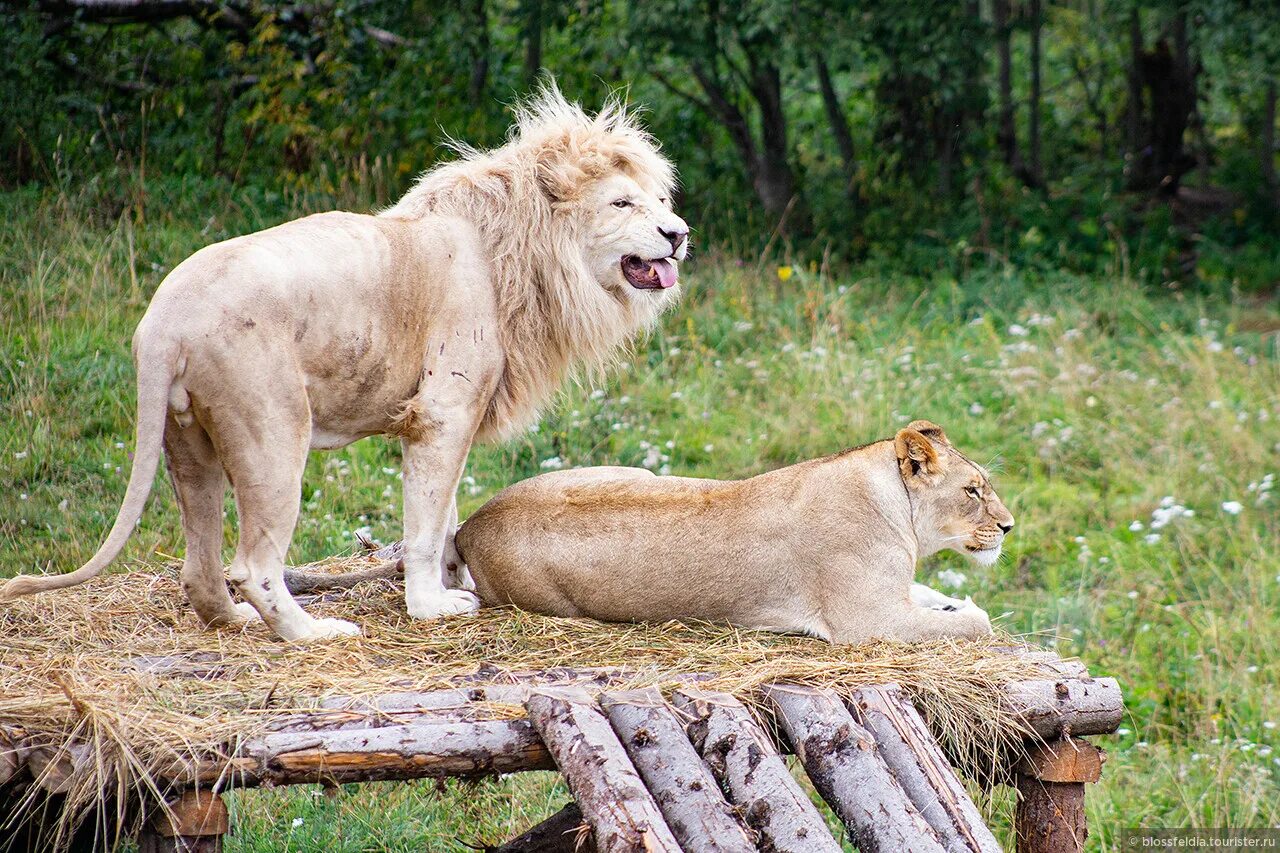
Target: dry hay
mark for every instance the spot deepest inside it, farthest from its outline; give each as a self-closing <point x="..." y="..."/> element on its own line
<point x="73" y="667"/>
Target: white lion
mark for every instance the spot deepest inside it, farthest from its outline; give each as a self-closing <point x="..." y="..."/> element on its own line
<point x="449" y="318"/>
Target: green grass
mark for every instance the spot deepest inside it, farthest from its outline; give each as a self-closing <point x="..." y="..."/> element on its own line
<point x="1093" y="400"/>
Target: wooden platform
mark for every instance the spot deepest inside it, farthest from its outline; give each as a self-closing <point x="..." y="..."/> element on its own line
<point x="695" y="771"/>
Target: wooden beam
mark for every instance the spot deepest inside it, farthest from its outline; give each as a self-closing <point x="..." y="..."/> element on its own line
<point x="754" y="774"/>
<point x="681" y="784"/>
<point x="622" y="814"/>
<point x="1050" y="780"/>
<point x="917" y="762"/>
<point x="841" y="759"/>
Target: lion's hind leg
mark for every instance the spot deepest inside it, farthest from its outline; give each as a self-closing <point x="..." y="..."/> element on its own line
<point x="264" y="454"/>
<point x="199" y="483"/>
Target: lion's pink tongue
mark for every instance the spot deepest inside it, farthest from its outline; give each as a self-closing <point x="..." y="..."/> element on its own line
<point x="666" y="272"/>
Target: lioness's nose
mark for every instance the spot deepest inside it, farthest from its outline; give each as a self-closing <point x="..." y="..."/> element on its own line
<point x="675" y="236"/>
<point x="1005" y="526"/>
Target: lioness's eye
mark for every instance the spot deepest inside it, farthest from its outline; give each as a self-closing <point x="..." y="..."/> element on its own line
<point x="622" y="202"/>
<point x="972" y="491"/>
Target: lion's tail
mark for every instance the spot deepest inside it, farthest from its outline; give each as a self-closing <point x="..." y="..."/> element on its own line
<point x="155" y="374"/>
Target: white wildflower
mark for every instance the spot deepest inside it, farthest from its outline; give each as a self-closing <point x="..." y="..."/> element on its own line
<point x="1151" y="538"/>
<point x="1018" y="331"/>
<point x="951" y="578"/>
<point x="1232" y="507"/>
<point x="976" y="409"/>
<point x="554" y="463"/>
<point x="1135" y="526"/>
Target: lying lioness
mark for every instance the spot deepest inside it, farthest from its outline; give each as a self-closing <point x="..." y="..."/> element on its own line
<point x="826" y="548"/>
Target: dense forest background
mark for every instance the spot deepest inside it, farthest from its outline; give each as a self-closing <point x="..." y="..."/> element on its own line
<point x="1074" y="134"/>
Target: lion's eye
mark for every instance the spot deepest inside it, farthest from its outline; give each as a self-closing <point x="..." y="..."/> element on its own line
<point x="622" y="202"/>
<point x="972" y="491"/>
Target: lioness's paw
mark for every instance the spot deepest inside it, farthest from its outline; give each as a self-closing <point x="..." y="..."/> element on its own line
<point x="450" y="602"/>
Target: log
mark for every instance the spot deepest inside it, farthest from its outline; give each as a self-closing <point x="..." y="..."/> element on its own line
<point x="13" y="752"/>
<point x="681" y="784"/>
<point x="1050" y="816"/>
<point x="845" y="767"/>
<point x="623" y="816"/>
<point x="55" y="767"/>
<point x="566" y="831"/>
<point x="194" y="823"/>
<point x="391" y="752"/>
<point x="917" y="762"/>
<point x="754" y="774"/>
<point x="1050" y="780"/>
<point x="1053" y="708"/>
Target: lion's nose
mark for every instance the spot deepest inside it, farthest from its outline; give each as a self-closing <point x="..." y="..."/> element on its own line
<point x="1005" y="526"/>
<point x="676" y="236"/>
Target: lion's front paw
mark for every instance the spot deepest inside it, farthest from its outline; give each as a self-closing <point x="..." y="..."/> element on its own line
<point x="449" y="602"/>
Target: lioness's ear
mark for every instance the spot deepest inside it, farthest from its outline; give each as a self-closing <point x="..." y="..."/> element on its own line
<point x="931" y="431"/>
<point x="917" y="456"/>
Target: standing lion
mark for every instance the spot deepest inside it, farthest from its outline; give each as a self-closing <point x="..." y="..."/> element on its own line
<point x="449" y="318"/>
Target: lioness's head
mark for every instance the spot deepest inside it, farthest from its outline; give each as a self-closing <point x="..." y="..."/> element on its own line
<point x="954" y="504"/>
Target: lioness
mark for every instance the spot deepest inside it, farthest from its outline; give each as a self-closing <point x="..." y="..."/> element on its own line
<point x="826" y="548"/>
<point x="448" y="318"/>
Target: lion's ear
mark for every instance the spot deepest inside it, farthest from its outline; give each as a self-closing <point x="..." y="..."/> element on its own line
<point x="917" y="457"/>
<point x="559" y="177"/>
<point x="931" y="431"/>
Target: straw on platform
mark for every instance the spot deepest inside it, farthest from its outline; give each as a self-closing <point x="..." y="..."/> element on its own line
<point x="76" y="665"/>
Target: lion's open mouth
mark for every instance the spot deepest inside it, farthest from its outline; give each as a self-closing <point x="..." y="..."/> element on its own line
<point x="658" y="274"/>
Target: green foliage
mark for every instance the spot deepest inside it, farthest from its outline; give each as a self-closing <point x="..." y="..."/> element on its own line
<point x="1092" y="399"/>
<point x="322" y="98"/>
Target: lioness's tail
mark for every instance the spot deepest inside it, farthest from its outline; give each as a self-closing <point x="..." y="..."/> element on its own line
<point x="155" y="374"/>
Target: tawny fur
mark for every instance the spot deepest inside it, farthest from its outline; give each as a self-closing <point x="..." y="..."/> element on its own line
<point x="827" y="547"/>
<point x="449" y="318"/>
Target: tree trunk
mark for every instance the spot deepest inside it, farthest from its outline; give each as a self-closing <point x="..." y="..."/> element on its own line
<point x="1267" y="138"/>
<point x="839" y="124"/>
<point x="1034" y="176"/>
<point x="533" y="41"/>
<point x="1133" y="109"/>
<point x="479" y="79"/>
<point x="774" y="180"/>
<point x="1006" y="131"/>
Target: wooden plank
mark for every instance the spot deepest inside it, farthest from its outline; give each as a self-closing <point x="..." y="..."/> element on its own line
<point x="917" y="762"/>
<point x="757" y="779"/>
<point x="681" y="784"/>
<point x="611" y="794"/>
<point x="846" y="768"/>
